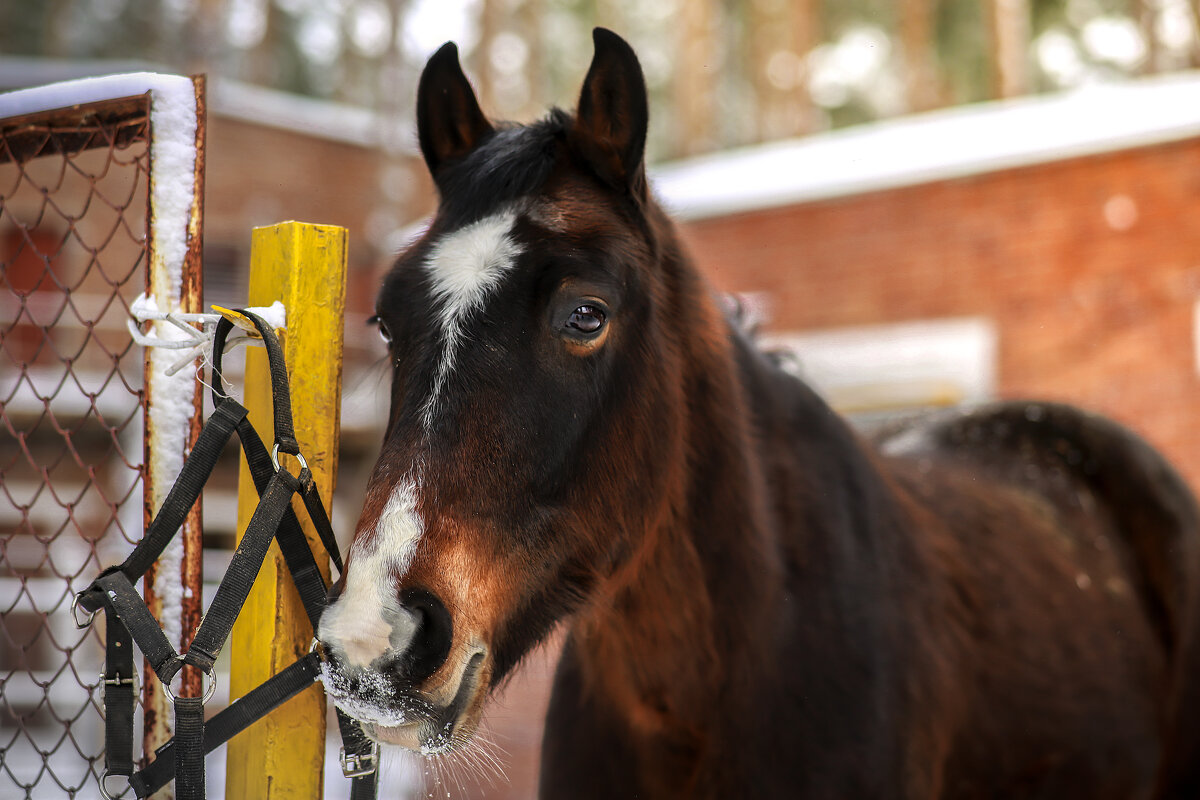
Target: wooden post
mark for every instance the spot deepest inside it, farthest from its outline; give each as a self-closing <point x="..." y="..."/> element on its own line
<point x="304" y="266"/>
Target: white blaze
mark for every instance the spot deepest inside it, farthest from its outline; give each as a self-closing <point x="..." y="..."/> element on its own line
<point x="464" y="266"/>
<point x="367" y="621"/>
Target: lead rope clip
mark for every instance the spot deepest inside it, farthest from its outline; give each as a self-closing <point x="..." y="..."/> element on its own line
<point x="359" y="765"/>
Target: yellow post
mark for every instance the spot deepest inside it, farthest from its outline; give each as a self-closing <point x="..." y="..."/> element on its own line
<point x="304" y="266"/>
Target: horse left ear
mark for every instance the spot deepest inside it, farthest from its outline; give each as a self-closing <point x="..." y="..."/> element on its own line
<point x="610" y="124"/>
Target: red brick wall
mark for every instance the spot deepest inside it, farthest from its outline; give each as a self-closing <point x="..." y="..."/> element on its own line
<point x="260" y="175"/>
<point x="1085" y="312"/>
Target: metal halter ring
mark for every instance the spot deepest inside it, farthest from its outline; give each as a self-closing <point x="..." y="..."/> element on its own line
<point x="275" y="458"/>
<point x="357" y="765"/>
<point x="75" y="614"/>
<point x="104" y="776"/>
<point x="208" y="692"/>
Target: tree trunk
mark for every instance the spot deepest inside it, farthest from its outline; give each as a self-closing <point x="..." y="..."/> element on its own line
<point x="695" y="79"/>
<point x="781" y="35"/>
<point x="921" y="90"/>
<point x="1009" y="23"/>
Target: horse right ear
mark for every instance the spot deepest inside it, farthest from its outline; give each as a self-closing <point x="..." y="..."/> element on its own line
<point x="449" y="122"/>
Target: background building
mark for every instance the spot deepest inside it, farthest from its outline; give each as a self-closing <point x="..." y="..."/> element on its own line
<point x="1034" y="247"/>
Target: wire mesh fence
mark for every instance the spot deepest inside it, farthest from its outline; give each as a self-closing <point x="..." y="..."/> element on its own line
<point x="73" y="248"/>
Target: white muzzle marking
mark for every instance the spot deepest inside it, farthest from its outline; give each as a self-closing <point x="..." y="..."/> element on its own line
<point x="367" y="621"/>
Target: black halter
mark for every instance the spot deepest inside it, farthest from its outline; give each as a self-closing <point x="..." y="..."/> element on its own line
<point x="129" y="620"/>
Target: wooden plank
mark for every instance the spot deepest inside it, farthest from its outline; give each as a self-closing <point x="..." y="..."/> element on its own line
<point x="304" y="266"/>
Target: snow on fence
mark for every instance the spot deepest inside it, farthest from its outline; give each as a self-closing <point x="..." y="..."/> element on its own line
<point x="100" y="198"/>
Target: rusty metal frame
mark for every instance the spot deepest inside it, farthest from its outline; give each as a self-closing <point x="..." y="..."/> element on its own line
<point x="159" y="444"/>
<point x="111" y="122"/>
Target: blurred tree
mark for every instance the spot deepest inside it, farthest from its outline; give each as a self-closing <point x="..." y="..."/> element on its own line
<point x="1146" y="12"/>
<point x="917" y="52"/>
<point x="480" y="61"/>
<point x="720" y="72"/>
<point x="694" y="80"/>
<point x="1009" y="25"/>
<point x="781" y="35"/>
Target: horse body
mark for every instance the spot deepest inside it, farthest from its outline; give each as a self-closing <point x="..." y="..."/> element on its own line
<point x="960" y="616"/>
<point x="760" y="601"/>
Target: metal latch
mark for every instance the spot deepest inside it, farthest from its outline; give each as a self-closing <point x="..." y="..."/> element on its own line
<point x="357" y="765"/>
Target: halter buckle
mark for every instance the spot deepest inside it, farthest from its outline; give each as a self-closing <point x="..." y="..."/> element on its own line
<point x="359" y="765"/>
<point x="117" y="680"/>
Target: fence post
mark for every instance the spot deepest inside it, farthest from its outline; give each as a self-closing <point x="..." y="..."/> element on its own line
<point x="304" y="266"/>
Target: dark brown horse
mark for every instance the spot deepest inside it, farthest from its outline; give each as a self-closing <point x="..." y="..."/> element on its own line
<point x="759" y="603"/>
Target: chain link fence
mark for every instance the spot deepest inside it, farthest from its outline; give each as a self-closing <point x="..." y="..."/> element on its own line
<point x="73" y="253"/>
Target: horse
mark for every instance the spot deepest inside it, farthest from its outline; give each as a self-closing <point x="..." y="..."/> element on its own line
<point x="758" y="599"/>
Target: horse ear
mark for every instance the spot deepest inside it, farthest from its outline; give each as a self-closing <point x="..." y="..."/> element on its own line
<point x="449" y="122"/>
<point x="610" y="124"/>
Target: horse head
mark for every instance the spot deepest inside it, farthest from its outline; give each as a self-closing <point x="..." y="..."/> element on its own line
<point x="535" y="333"/>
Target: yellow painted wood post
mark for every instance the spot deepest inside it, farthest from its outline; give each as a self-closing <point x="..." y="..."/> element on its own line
<point x="304" y="266"/>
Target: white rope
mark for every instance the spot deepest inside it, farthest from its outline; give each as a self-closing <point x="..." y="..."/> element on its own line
<point x="197" y="342"/>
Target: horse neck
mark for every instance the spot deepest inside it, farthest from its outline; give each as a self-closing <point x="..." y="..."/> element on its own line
<point x="705" y="576"/>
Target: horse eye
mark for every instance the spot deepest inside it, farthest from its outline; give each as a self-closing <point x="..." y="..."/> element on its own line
<point x="384" y="333"/>
<point x="586" y="319"/>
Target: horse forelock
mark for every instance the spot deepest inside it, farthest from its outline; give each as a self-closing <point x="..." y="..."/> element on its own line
<point x="512" y="163"/>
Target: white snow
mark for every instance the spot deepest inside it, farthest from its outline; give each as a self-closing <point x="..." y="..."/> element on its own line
<point x="274" y="315"/>
<point x="940" y="145"/>
<point x="87" y="90"/>
<point x="143" y="307"/>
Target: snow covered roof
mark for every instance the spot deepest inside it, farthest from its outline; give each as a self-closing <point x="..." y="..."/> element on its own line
<point x="337" y="122"/>
<point x="952" y="143"/>
<point x="227" y="98"/>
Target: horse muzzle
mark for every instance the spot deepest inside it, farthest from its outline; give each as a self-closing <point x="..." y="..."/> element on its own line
<point x="428" y="720"/>
<point x="437" y="728"/>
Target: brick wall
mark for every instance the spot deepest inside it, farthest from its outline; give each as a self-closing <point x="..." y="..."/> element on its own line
<point x="260" y="175"/>
<point x="1088" y="267"/>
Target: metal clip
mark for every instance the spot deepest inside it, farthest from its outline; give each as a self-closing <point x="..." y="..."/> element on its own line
<point x="358" y="765"/>
<point x="238" y="319"/>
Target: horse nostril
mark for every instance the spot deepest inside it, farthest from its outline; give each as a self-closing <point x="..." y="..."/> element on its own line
<point x="430" y="644"/>
<point x="335" y="591"/>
